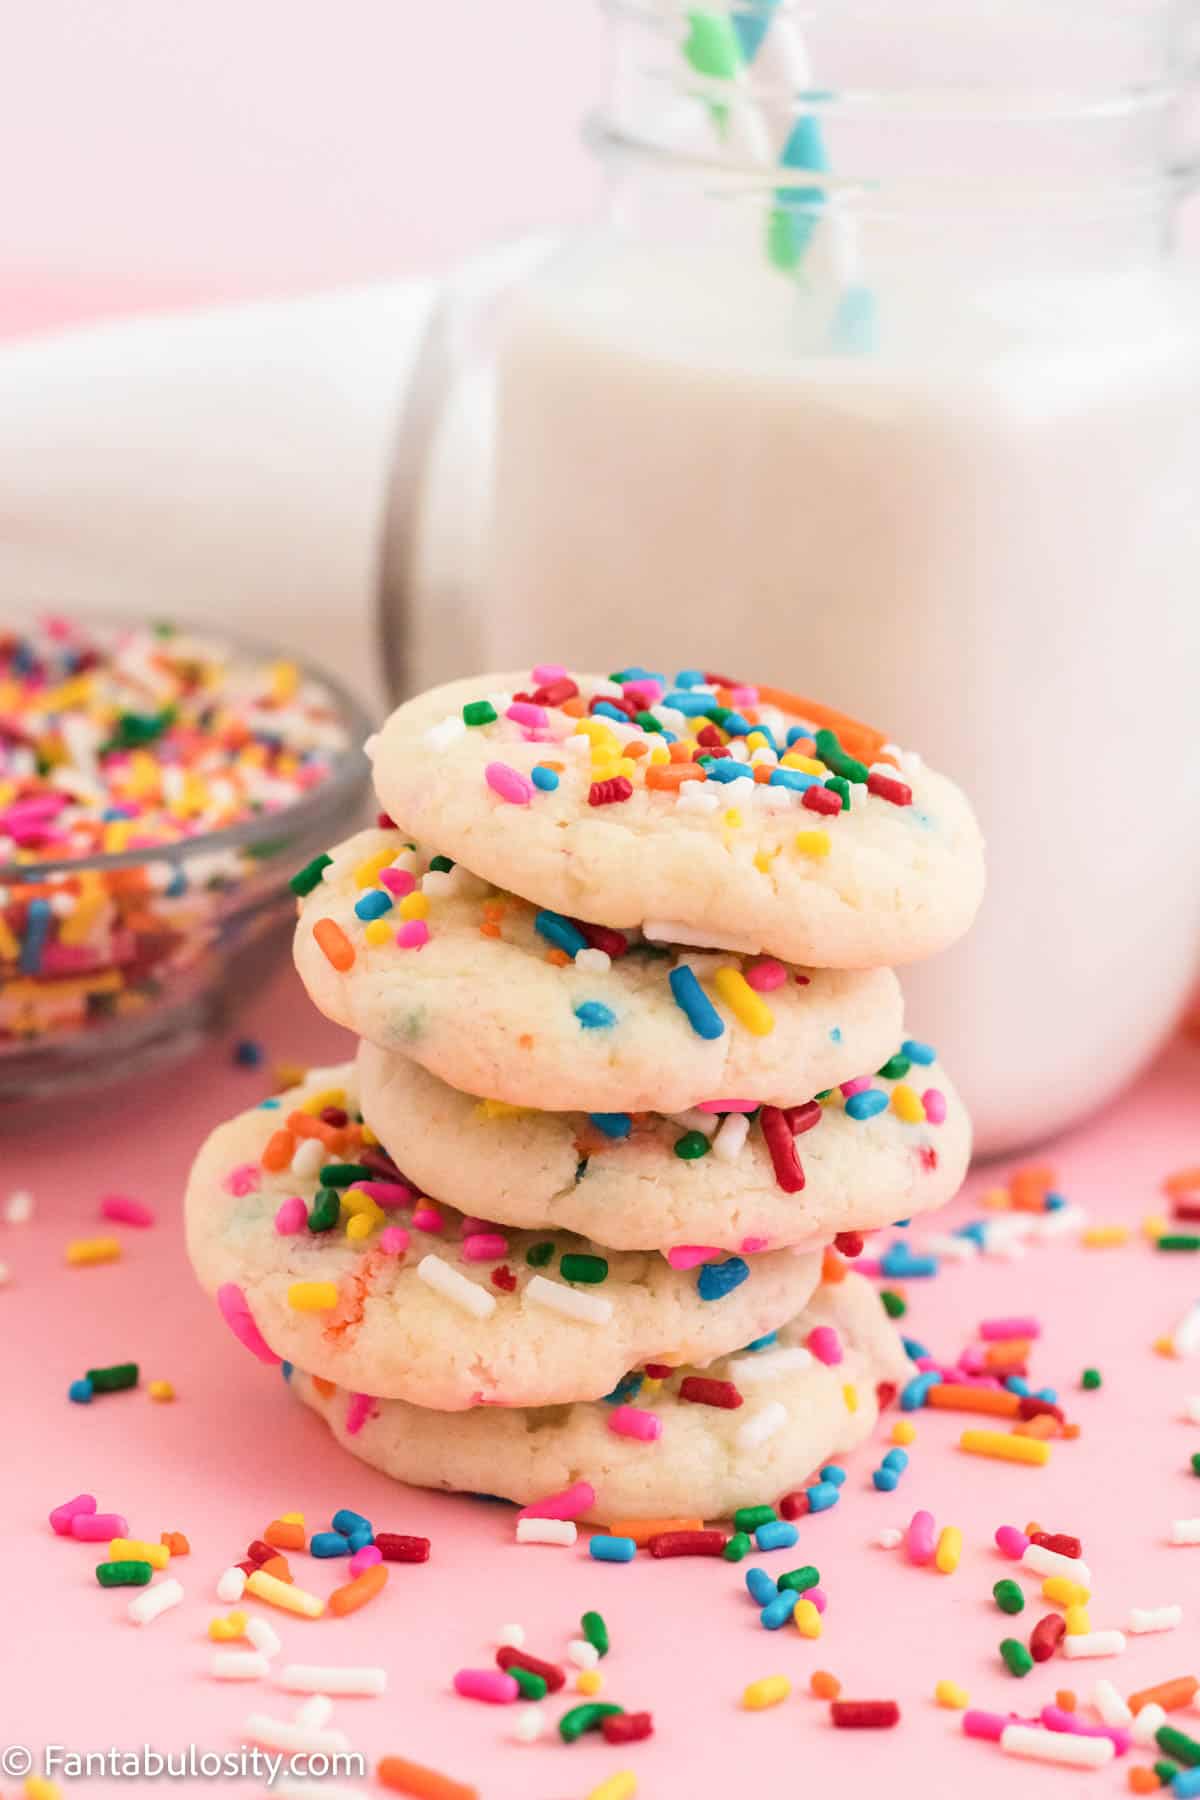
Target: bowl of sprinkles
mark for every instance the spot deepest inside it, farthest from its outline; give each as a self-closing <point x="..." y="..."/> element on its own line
<point x="157" y="785"/>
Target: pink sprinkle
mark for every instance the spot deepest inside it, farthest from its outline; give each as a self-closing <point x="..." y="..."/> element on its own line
<point x="996" y="1330"/>
<point x="291" y="1217"/>
<point x="1054" y="1718"/>
<point x="569" y="1504"/>
<point x="492" y="1685"/>
<point x="859" y="1085"/>
<point x="61" y="1517"/>
<point x="509" y="783"/>
<point x="96" y="1528"/>
<point x="934" y="1102"/>
<point x="242" y="1180"/>
<point x="387" y="1194"/>
<point x="765" y="976"/>
<point x="643" y="692"/>
<point x="393" y="1240"/>
<point x="984" y="1725"/>
<point x="526" y="713"/>
<point x="358" y="1411"/>
<point x="545" y="673"/>
<point x="235" y="1310"/>
<point x="484" y="1246"/>
<point x="366" y="1558"/>
<point x="718" y="1106"/>
<point x="751" y="1245"/>
<point x="920" y="1541"/>
<point x="635" y="1422"/>
<point x="926" y="1363"/>
<point x="825" y="1344"/>
<point x="1011" y="1541"/>
<point x="397" y="881"/>
<point x="125" y="1210"/>
<point x="819" y="1598"/>
<point x="743" y="696"/>
<point x="689" y="1256"/>
<point x="973" y="1360"/>
<point x="427" y="1218"/>
<point x="470" y="1224"/>
<point x="412" y="935"/>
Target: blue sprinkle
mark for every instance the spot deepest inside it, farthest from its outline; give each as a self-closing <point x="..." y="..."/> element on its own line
<point x="763" y="1587"/>
<point x="913" y="1350"/>
<point x="735" y="725"/>
<point x="776" y="1534"/>
<point x="603" y="1548"/>
<point x="1054" y="1202"/>
<point x="37" y="930"/>
<point x="373" y="904"/>
<point x="763" y="1343"/>
<point x="691" y="998"/>
<point x="690" y="678"/>
<point x="247" y="1053"/>
<point x="613" y="1125"/>
<point x="832" y="1472"/>
<point x="607" y="710"/>
<point x="358" y="1540"/>
<point x="1050" y="1394"/>
<point x="896" y="1459"/>
<point x="1017" y="1384"/>
<point x="976" y="1231"/>
<point x="774" y="1616"/>
<point x="692" y="706"/>
<point x="885" y="1479"/>
<point x="286" y="1369"/>
<point x="718" y="1279"/>
<point x="824" y="1495"/>
<point x="867" y="1103"/>
<point x="269" y="1105"/>
<point x="918" y="1052"/>
<point x="544" y="778"/>
<point x="855" y="332"/>
<point x="348" y="1522"/>
<point x="835" y="1036"/>
<point x="902" y="1224"/>
<point x="796" y="732"/>
<point x="724" y="768"/>
<point x="561" y="933"/>
<point x="898" y="1263"/>
<point x="915" y="1393"/>
<point x="793" y="778"/>
<point x="178" y="883"/>
<point x="593" y="1015"/>
<point x="1186" y="1783"/>
<point x="80" y="1392"/>
<point x="636" y="673"/>
<point x="626" y="1390"/>
<point x="328" y="1543"/>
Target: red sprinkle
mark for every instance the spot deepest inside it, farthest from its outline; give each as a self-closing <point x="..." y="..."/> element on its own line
<point x="710" y="737"/>
<point x="599" y="937"/>
<point x="802" y="1118"/>
<point x="864" y="1715"/>
<point x="885" y="1393"/>
<point x="789" y="1175"/>
<point x="821" y="800"/>
<point x="617" y="700"/>
<point x="703" y="1390"/>
<point x="1058" y="1541"/>
<point x="395" y="1547"/>
<point x="794" y="1505"/>
<point x="888" y="788"/>
<point x="607" y="793"/>
<point x="849" y="1243"/>
<point x="1030" y="1408"/>
<point x="659" y="1371"/>
<point x="1046" y="1636"/>
<point x="508" y="1656"/>
<point x="337" y="1116"/>
<point x="688" y="1543"/>
<point x="553" y="693"/>
<point x="385" y="821"/>
<point x="626" y="1728"/>
<point x="504" y="1279"/>
<point x="258" y="1552"/>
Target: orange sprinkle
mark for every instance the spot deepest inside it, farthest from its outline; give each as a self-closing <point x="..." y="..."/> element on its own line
<point x="636" y="747"/>
<point x="762" y="771"/>
<point x="525" y="1041"/>
<point x="356" y="1593"/>
<point x="858" y="740"/>
<point x="323" y="1387"/>
<point x="1007" y="1354"/>
<point x="1143" y="1781"/>
<point x="1183" y="1181"/>
<point x="672" y="774"/>
<point x="285" y="1534"/>
<point x="559" y="958"/>
<point x="406" y="1777"/>
<point x="334" y="944"/>
<point x="642" y="1530"/>
<point x="307" y="1125"/>
<point x="489" y="929"/>
<point x="1065" y="1700"/>
<point x="278" y="1153"/>
<point x="278" y="1567"/>
<point x="1029" y="1187"/>
<point x="574" y="707"/>
<point x="1071" y="1431"/>
<point x="1042" y="1425"/>
<point x="824" y="1685"/>
<point x="1170" y="1695"/>
<point x="833" y="1269"/>
<point x="176" y="1543"/>
<point x="953" y="1396"/>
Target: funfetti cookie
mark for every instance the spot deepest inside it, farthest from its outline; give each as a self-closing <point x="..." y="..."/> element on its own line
<point x="697" y="1444"/>
<point x="512" y="1002"/>
<point x="318" y="1253"/>
<point x="893" y="1145"/>
<point x="692" y="809"/>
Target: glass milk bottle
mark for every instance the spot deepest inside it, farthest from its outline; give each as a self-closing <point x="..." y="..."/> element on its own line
<point x="880" y="383"/>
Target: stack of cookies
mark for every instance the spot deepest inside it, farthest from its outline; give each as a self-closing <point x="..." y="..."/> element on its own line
<point x="633" y="1080"/>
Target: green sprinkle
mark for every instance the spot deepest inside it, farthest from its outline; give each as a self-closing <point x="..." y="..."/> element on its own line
<point x="596" y="1632"/>
<point x="894" y="1305"/>
<point x="1017" y="1659"/>
<point x="783" y="247"/>
<point x="574" y="1267"/>
<point x="135" y="729"/>
<point x="749" y="1518"/>
<point x="538" y="1255"/>
<point x="895" y="1068"/>
<point x="837" y="785"/>
<point x="344" y="1175"/>
<point x="325" y="1210"/>
<point x="712" y="46"/>
<point x="692" y="1145"/>
<point x="1166" y="1772"/>
<point x="533" y="1687"/>
<point x="800" y="1580"/>
<point x="1090" y="1379"/>
<point x="1178" y="1240"/>
<point x="441" y="864"/>
<point x="579" y="1719"/>
<point x="113" y="1379"/>
<point x="1196" y="1462"/>
<point x="306" y="879"/>
<point x="123" y="1574"/>
<point x="834" y="757"/>
<point x="1008" y="1598"/>
<point x="1178" y="1744"/>
<point x="648" y="722"/>
<point x="479" y="712"/>
<point x="737" y="1547"/>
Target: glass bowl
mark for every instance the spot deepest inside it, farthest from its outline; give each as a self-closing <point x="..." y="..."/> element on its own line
<point x="144" y="952"/>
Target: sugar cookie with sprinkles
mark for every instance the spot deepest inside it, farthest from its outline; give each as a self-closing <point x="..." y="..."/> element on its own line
<point x="746" y="816"/>
<point x="319" y="1252"/>
<point x="783" y="1414"/>
<point x="515" y="1003"/>
<point x="893" y="1145"/>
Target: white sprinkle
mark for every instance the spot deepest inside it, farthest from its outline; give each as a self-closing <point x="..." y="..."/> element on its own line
<point x="438" y="883"/>
<point x="1110" y="1704"/>
<point x="18" y="1208"/>
<point x="588" y="1309"/>
<point x="766" y="1365"/>
<point x="1067" y="1747"/>
<point x="237" y="1665"/>
<point x="263" y="1636"/>
<point x="529" y="1725"/>
<point x="454" y="1286"/>
<point x="317" y="1710"/>
<point x="582" y="1654"/>
<point x="231" y="1586"/>
<point x="1185" y="1339"/>
<point x="593" y="962"/>
<point x="443" y="734"/>
<point x="501" y="702"/>
<point x="154" y="1600"/>
<point x="762" y="1425"/>
<point x="1147" y="1722"/>
<point x="1060" y="1223"/>
<point x="764" y="754"/>
<point x="889" y="1537"/>
<point x="1155" y="1618"/>
<point x="770" y="799"/>
<point x="511" y="1635"/>
<point x="1093" y="1643"/>
<point x="311" y="1678"/>
<point x="670" y="931"/>
<point x="731" y="1137"/>
<point x="286" y="1734"/>
<point x="697" y="797"/>
<point x="951" y="1248"/>
<point x="546" y="1531"/>
<point x="308" y="1156"/>
<point x="1191" y="1409"/>
<point x="1049" y="1562"/>
<point x="695" y="1120"/>
<point x="1185" y="1531"/>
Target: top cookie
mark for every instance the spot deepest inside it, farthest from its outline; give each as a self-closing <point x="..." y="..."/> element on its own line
<point x="700" y="811"/>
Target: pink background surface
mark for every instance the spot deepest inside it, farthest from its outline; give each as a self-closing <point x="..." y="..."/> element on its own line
<point x="234" y="1451"/>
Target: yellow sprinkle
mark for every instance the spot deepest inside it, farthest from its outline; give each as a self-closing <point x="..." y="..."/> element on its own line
<point x="763" y="860"/>
<point x="367" y="873"/>
<point x="949" y="1549"/>
<point x="9" y="947"/>
<point x="229" y="1629"/>
<point x="83" y="1252"/>
<point x="904" y="1432"/>
<point x="650" y="1385"/>
<point x="1079" y="1621"/>
<point x="36" y="1787"/>
<point x="288" y="1075"/>
<point x="1164" y="1346"/>
<point x="746" y="1006"/>
<point x="316" y="1103"/>
<point x="378" y="931"/>
<point x="353" y="1201"/>
<point x="907" y="1104"/>
<point x="291" y="1518"/>
<point x="732" y="819"/>
<point x="850" y="1397"/>
<point x="115" y="837"/>
<point x="284" y="1594"/>
<point x="77" y="926"/>
<point x="812" y="843"/>
<point x="313" y="1296"/>
<point x="368" y="1136"/>
<point x="809" y="764"/>
<point x="414" y="906"/>
<point x="948" y="1693"/>
<point x="767" y="1692"/>
<point x="133" y="1550"/>
<point x="997" y="1199"/>
<point x="659" y="754"/>
<point x="1104" y="1237"/>
<point x="500" y="1109"/>
<point x="1060" y="1590"/>
<point x="1003" y="1448"/>
<point x="360" y="1226"/>
<point x="808" y="1619"/>
<point x="160" y="1390"/>
<point x="621" y="1786"/>
<point x="285" y="679"/>
<point x="757" y="740"/>
<point x="1154" y="1227"/>
<point x="589" y="1681"/>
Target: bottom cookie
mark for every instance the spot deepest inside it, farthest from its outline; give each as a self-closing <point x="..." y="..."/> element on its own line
<point x="779" y="1413"/>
